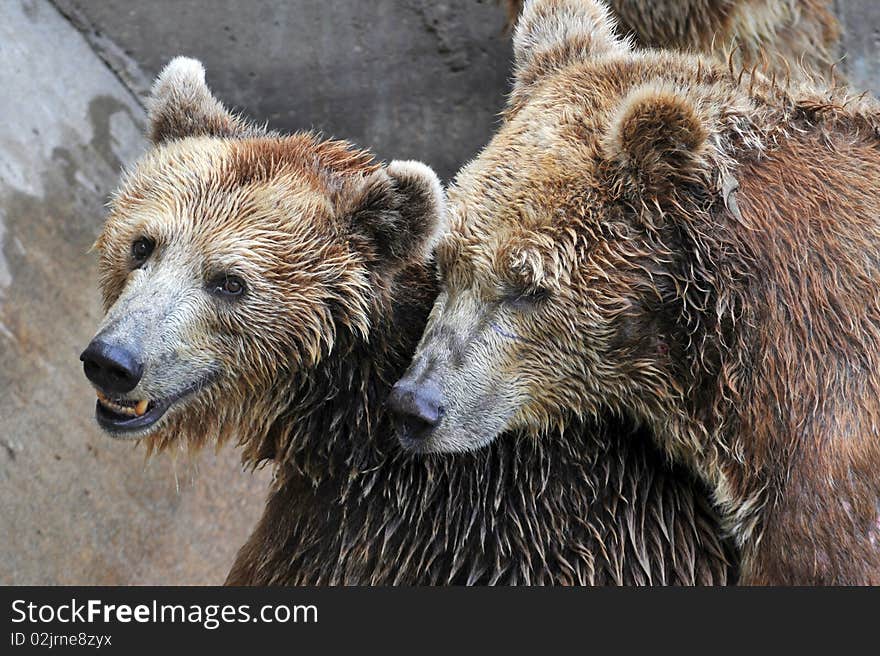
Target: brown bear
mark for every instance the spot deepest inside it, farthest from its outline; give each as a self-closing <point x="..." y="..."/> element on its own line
<point x="785" y="37"/>
<point x="650" y="235"/>
<point x="270" y="289"/>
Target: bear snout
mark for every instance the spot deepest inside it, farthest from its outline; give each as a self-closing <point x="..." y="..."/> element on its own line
<point x="114" y="368"/>
<point x="416" y="407"/>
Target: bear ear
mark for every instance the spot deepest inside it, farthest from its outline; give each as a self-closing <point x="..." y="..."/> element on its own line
<point x="181" y="105"/>
<point x="400" y="210"/>
<point x="551" y="34"/>
<point x="658" y="138"/>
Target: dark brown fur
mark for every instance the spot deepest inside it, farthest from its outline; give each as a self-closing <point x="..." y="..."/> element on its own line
<point x="586" y="508"/>
<point x="784" y="37"/>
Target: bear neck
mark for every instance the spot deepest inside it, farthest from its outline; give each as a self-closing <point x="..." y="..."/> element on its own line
<point x="333" y="420"/>
<point x="597" y="505"/>
<point x="350" y="506"/>
<point x="782" y="402"/>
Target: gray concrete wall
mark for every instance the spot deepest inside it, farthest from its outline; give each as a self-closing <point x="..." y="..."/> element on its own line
<point x="76" y="507"/>
<point x="860" y="20"/>
<point x="408" y="78"/>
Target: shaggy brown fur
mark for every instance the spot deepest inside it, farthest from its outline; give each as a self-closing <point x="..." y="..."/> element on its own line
<point x="784" y="37"/>
<point x="333" y="250"/>
<point x="691" y="248"/>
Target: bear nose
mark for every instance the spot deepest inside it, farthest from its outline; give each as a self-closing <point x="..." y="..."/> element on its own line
<point x="113" y="368"/>
<point x="417" y="408"/>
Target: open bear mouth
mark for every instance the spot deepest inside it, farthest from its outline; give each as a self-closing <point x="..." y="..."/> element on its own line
<point x="119" y="416"/>
<point x="126" y="416"/>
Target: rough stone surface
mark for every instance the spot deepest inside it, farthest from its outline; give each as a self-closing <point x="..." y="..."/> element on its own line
<point x="407" y="78"/>
<point x="420" y="79"/>
<point x="860" y="20"/>
<point x="75" y="506"/>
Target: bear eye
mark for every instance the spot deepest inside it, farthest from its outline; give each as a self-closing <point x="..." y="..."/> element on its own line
<point x="525" y="299"/>
<point x="228" y="286"/>
<point x="141" y="249"/>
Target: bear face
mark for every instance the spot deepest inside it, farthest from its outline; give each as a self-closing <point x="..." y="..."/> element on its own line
<point x="232" y="259"/>
<point x="555" y="301"/>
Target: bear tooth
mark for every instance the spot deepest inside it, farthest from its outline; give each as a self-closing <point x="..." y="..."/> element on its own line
<point x="141" y="407"/>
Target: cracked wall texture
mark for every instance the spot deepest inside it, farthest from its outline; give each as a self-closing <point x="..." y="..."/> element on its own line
<point x="421" y="79"/>
<point x="407" y="78"/>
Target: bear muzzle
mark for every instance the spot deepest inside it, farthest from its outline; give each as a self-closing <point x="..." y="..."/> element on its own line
<point x="417" y="408"/>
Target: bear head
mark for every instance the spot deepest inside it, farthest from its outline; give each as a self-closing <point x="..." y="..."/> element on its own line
<point x="234" y="259"/>
<point x="575" y="273"/>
